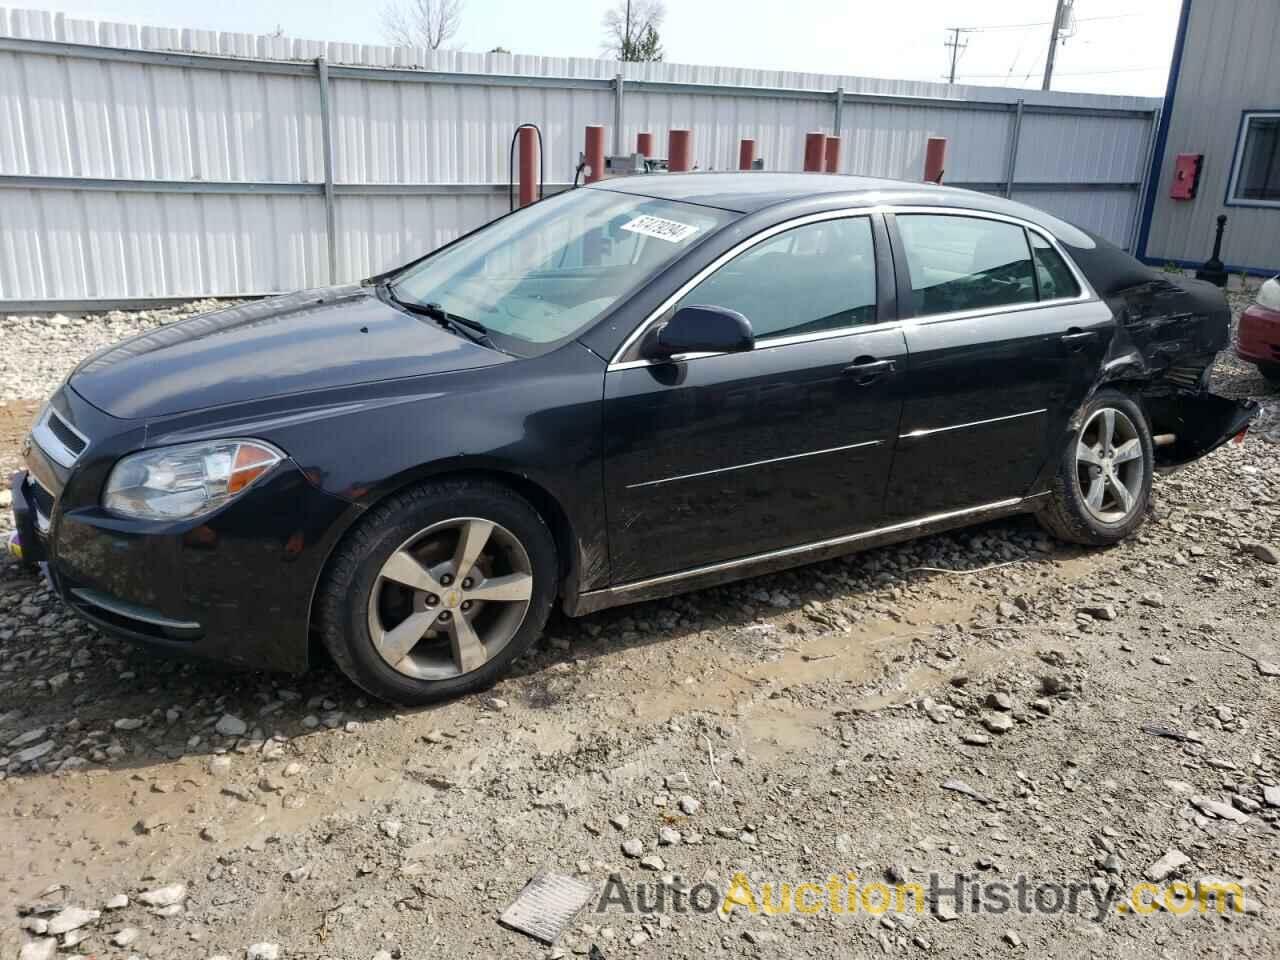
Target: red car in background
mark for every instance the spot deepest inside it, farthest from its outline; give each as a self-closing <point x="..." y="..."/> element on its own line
<point x="1258" y="336"/>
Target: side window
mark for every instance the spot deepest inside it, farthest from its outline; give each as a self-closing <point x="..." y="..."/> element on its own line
<point x="818" y="277"/>
<point x="965" y="263"/>
<point x="1052" y="273"/>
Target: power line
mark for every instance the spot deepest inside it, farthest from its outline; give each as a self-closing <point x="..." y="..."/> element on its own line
<point x="1042" y="23"/>
<point x="1082" y="73"/>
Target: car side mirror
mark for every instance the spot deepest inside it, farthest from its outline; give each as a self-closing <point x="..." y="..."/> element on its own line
<point x="697" y="329"/>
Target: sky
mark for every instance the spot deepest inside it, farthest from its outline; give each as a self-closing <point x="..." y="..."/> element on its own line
<point x="1117" y="46"/>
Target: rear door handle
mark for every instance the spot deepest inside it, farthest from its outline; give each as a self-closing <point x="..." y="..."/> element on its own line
<point x="866" y="370"/>
<point x="1075" y="338"/>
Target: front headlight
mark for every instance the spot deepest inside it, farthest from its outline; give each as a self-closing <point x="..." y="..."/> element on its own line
<point x="172" y="483"/>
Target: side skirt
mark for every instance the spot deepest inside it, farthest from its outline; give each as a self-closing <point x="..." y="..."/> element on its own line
<point x="726" y="571"/>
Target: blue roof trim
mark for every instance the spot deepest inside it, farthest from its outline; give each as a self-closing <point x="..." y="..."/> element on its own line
<point x="1162" y="134"/>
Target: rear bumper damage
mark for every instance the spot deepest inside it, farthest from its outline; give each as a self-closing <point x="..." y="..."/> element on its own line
<point x="1167" y="337"/>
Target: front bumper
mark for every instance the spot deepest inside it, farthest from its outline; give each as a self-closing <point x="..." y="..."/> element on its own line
<point x="234" y="586"/>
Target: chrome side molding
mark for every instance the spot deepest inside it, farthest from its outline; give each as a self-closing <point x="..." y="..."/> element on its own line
<point x="727" y="570"/>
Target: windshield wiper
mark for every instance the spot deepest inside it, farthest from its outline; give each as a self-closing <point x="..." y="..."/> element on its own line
<point x="476" y="332"/>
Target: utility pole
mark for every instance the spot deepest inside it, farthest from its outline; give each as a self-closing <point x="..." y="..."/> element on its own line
<point x="1053" y="44"/>
<point x="956" y="46"/>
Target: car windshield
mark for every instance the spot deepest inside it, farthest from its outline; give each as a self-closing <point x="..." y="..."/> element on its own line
<point x="547" y="271"/>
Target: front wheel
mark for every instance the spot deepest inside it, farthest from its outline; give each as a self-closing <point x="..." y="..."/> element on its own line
<point x="438" y="590"/>
<point x="1099" y="495"/>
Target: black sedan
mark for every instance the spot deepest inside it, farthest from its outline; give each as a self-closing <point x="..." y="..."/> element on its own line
<point x="622" y="392"/>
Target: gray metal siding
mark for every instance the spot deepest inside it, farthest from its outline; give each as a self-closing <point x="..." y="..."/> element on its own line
<point x="1229" y="65"/>
<point x="194" y="177"/>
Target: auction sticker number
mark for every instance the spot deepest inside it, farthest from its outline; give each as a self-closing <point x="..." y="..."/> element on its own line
<point x="670" y="230"/>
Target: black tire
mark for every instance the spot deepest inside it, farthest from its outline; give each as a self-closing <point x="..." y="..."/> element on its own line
<point x="1066" y="515"/>
<point x="346" y="591"/>
<point x="1271" y="371"/>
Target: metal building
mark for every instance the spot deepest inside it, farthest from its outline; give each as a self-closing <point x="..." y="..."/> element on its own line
<point x="1218" y="145"/>
<point x="139" y="164"/>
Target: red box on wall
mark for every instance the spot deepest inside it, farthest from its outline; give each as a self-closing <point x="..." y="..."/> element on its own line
<point x="1186" y="176"/>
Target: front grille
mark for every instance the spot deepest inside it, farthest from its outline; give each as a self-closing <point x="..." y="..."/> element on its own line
<point x="60" y="440"/>
<point x="63" y="431"/>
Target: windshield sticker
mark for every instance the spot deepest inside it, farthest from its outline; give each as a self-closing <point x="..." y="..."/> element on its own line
<point x="670" y="230"/>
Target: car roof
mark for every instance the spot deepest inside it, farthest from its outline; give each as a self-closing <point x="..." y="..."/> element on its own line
<point x="750" y="191"/>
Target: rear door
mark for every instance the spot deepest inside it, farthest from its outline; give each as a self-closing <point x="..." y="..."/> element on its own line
<point x="720" y="457"/>
<point x="1004" y="344"/>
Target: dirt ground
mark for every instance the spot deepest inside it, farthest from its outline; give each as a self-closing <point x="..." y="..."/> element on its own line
<point x="981" y="708"/>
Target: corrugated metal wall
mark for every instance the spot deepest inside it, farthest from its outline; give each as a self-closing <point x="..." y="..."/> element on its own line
<point x="419" y="157"/>
<point x="1229" y="65"/>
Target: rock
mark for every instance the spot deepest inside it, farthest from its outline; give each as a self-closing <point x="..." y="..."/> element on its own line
<point x="31" y="736"/>
<point x="71" y="918"/>
<point x="126" y="936"/>
<point x="633" y="848"/>
<point x="668" y="836"/>
<point x="651" y="862"/>
<point x="976" y="739"/>
<point x="620" y="820"/>
<point x="213" y="833"/>
<point x="168" y="896"/>
<point x="935" y="711"/>
<point x="1167" y="865"/>
<point x="391" y="828"/>
<point x="1152" y="600"/>
<point x="118" y="902"/>
<point x="689" y="805"/>
<point x="1267" y="668"/>
<point x="999" y="700"/>
<point x="1104" y="611"/>
<point x="129" y="723"/>
<point x="229" y="726"/>
<point x="298" y="874"/>
<point x="1011" y="937"/>
<point x="1263" y="551"/>
<point x="219" y="766"/>
<point x="959" y="786"/>
<point x="1005" y="610"/>
<point x="944" y="911"/>
<point x="998" y="722"/>
<point x="1271" y="796"/>
<point x="262" y="951"/>
<point x="1042" y="705"/>
<point x="496" y="703"/>
<point x="39" y="949"/>
<point x="32" y="753"/>
<point x="1216" y="808"/>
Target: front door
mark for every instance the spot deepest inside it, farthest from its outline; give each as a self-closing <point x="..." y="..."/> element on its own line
<point x="720" y="457"/>
<point x="1004" y="346"/>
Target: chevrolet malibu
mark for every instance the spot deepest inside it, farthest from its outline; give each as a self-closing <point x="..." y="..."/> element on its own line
<point x="622" y="392"/>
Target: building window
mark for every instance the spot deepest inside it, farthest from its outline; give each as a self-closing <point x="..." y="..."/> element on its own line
<point x="1255" y="175"/>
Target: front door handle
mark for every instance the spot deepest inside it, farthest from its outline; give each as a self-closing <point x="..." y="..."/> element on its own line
<point x="867" y="370"/>
<point x="1075" y="338"/>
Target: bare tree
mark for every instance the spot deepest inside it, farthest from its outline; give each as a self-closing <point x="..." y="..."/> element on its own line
<point x="421" y="23"/>
<point x="631" y="29"/>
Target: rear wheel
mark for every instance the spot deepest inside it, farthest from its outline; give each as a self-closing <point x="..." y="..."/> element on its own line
<point x="438" y="591"/>
<point x="1103" y="484"/>
<point x="1271" y="371"/>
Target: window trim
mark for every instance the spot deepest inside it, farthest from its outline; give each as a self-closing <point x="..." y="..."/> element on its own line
<point x="895" y="243"/>
<point x="1086" y="291"/>
<point x="732" y="254"/>
<point x="1237" y="161"/>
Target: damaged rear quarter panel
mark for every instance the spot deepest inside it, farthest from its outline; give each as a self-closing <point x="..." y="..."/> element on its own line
<point x="1168" y="333"/>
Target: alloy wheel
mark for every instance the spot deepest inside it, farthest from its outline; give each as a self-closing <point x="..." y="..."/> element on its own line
<point x="1109" y="465"/>
<point x="450" y="598"/>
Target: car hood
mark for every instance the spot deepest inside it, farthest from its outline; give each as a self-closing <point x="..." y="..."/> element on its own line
<point x="313" y="340"/>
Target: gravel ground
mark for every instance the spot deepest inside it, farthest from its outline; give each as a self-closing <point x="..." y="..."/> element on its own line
<point x="987" y="704"/>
